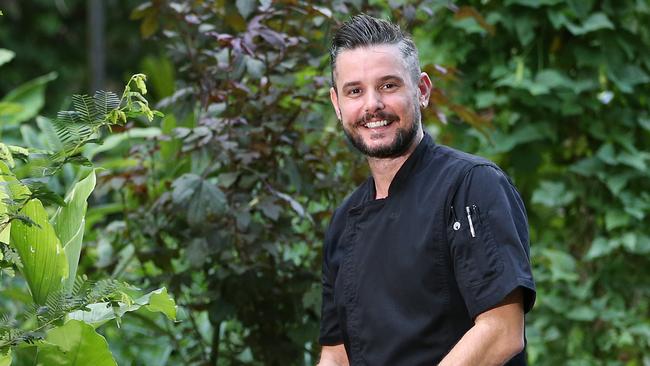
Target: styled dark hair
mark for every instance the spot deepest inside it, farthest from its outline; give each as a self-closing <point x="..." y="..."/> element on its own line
<point x="363" y="31"/>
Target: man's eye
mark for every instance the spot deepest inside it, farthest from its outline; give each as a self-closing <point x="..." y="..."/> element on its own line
<point x="388" y="86"/>
<point x="354" y="91"/>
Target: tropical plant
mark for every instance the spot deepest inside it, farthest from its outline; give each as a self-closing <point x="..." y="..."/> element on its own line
<point x="57" y="325"/>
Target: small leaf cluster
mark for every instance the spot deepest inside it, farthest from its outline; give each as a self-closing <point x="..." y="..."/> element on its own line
<point x="105" y="110"/>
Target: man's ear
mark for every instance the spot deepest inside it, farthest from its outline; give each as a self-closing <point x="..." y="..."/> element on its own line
<point x="424" y="86"/>
<point x="334" y="98"/>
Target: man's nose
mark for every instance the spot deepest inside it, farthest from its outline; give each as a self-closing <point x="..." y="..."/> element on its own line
<point x="373" y="102"/>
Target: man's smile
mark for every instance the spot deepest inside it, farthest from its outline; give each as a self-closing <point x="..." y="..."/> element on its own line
<point x="376" y="124"/>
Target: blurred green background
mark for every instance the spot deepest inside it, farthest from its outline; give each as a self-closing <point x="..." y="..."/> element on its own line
<point x="556" y="92"/>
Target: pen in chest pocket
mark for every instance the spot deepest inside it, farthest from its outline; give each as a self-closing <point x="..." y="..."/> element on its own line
<point x="471" y="223"/>
<point x="471" y="211"/>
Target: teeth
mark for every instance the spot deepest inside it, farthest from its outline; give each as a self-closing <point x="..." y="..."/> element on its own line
<point x="376" y="124"/>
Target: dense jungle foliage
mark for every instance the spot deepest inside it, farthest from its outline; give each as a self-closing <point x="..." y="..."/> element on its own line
<point x="224" y="200"/>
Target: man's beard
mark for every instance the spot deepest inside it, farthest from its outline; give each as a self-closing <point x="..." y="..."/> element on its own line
<point x="403" y="139"/>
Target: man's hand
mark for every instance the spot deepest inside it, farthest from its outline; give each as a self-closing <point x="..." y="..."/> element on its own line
<point x="496" y="337"/>
<point x="333" y="356"/>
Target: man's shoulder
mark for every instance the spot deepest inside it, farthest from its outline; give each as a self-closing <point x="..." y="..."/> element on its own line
<point x="448" y="167"/>
<point x="449" y="155"/>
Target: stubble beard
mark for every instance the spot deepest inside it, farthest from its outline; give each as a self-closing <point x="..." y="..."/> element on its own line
<point x="404" y="138"/>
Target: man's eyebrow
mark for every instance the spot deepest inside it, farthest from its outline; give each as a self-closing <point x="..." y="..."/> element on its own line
<point x="391" y="77"/>
<point x="381" y="80"/>
<point x="351" y="83"/>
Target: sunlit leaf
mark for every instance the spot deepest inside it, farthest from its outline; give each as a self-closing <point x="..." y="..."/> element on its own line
<point x="44" y="262"/>
<point x="69" y="223"/>
<point x="155" y="301"/>
<point x="75" y="344"/>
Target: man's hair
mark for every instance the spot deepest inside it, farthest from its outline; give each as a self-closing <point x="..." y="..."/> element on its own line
<point x="363" y="31"/>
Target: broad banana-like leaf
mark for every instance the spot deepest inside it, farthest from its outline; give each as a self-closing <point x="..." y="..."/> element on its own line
<point x="76" y="344"/>
<point x="155" y="301"/>
<point x="44" y="261"/>
<point x="69" y="223"/>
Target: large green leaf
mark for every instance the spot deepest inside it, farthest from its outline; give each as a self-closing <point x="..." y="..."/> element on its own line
<point x="44" y="261"/>
<point x="155" y="301"/>
<point x="31" y="96"/>
<point x="76" y="344"/>
<point x="69" y="222"/>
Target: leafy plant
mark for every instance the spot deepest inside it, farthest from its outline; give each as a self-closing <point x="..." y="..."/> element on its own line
<point x="46" y="250"/>
<point x="566" y="85"/>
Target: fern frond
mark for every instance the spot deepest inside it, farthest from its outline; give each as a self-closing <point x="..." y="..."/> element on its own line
<point x="70" y="128"/>
<point x="105" y="102"/>
<point x="85" y="107"/>
<point x="81" y="286"/>
<point x="102" y="290"/>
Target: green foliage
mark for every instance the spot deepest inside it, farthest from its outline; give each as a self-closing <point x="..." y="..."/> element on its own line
<point x="44" y="262"/>
<point x="46" y="250"/>
<point x="566" y="86"/>
<point x="75" y="344"/>
<point x="23" y="103"/>
<point x="81" y="126"/>
<point x="69" y="223"/>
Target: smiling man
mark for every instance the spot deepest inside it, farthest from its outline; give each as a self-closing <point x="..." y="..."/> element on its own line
<point x="427" y="262"/>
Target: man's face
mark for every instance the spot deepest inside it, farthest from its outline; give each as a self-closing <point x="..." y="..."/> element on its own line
<point x="377" y="101"/>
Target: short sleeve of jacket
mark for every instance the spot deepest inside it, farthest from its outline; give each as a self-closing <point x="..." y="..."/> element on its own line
<point x="330" y="332"/>
<point x="488" y="233"/>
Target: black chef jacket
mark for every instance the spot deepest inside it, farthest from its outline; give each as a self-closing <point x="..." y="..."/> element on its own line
<point x="404" y="276"/>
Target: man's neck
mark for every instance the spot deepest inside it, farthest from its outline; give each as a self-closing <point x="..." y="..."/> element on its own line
<point x="384" y="170"/>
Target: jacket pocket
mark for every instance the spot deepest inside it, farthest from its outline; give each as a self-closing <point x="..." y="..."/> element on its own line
<point x="474" y="251"/>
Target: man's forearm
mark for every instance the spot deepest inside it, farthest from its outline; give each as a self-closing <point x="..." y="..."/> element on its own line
<point x="496" y="337"/>
<point x="333" y="356"/>
<point x="482" y="346"/>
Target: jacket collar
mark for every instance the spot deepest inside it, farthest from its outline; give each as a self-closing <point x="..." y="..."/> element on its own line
<point x="407" y="169"/>
<point x="411" y="164"/>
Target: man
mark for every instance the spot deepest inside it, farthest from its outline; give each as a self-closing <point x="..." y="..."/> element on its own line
<point x="427" y="262"/>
